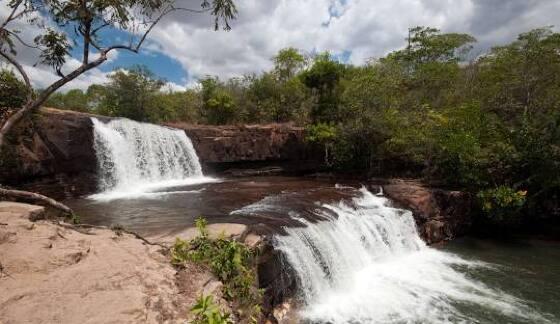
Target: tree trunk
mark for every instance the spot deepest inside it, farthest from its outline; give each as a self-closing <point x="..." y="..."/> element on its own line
<point x="32" y="197"/>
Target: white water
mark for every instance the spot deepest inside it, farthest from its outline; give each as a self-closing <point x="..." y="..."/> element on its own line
<point x="137" y="158"/>
<point x="369" y="265"/>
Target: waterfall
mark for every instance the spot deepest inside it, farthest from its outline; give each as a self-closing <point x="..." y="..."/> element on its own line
<point x="367" y="264"/>
<point x="135" y="158"/>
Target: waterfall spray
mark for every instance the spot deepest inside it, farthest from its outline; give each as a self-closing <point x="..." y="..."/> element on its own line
<point x="138" y="157"/>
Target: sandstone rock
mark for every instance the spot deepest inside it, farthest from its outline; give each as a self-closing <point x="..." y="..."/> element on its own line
<point x="55" y="274"/>
<point x="217" y="145"/>
<point x="440" y="214"/>
<point x="216" y="230"/>
<point x="30" y="212"/>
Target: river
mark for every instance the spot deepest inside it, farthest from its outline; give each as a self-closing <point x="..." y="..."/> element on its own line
<point x="356" y="258"/>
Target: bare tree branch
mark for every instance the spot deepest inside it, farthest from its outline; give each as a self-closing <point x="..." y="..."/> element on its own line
<point x="24" y="43"/>
<point x="12" y="15"/>
<point x="32" y="197"/>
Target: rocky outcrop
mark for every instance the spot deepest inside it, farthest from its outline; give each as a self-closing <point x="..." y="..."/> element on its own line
<point x="440" y="214"/>
<point x="55" y="146"/>
<point x="225" y="147"/>
<point x="54" y="150"/>
<point x="51" y="273"/>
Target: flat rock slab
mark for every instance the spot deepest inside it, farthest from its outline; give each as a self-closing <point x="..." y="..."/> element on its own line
<point x="216" y="230"/>
<point x="57" y="274"/>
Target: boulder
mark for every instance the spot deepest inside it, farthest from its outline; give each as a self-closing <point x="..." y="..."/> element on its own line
<point x="440" y="214"/>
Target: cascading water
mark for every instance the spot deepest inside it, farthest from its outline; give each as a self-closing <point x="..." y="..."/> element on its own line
<point x="135" y="157"/>
<point x="367" y="264"/>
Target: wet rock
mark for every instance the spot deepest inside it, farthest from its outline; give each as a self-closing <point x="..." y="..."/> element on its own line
<point x="440" y="214"/>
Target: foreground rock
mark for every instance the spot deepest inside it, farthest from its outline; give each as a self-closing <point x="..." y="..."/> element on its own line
<point x="56" y="274"/>
<point x="440" y="215"/>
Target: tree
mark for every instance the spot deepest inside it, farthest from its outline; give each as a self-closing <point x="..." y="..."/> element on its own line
<point x="323" y="79"/>
<point x="91" y="23"/>
<point x="287" y="63"/>
<point x="130" y="93"/>
<point x="426" y="44"/>
<point x="89" y="20"/>
<point x="12" y="90"/>
<point x="74" y="99"/>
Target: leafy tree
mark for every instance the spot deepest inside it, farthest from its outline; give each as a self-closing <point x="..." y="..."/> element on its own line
<point x="220" y="108"/>
<point x="74" y="99"/>
<point x="323" y="79"/>
<point x="324" y="135"/>
<point x="287" y="63"/>
<point x="426" y="44"/>
<point x="90" y="21"/>
<point x="12" y="91"/>
<point x="131" y="93"/>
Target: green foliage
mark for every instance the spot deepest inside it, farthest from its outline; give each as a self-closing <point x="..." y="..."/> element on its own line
<point x="74" y="99"/>
<point x="229" y="260"/>
<point x="207" y="312"/>
<point x="131" y="93"/>
<point x="324" y="135"/>
<point x="220" y="108"/>
<point x="502" y="204"/>
<point x="323" y="79"/>
<point x="287" y="63"/>
<point x="13" y="92"/>
<point x="320" y="133"/>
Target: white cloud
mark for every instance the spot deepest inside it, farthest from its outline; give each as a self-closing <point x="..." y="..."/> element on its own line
<point x="366" y="28"/>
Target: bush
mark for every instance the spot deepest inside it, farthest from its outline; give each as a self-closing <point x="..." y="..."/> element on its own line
<point x="502" y="204"/>
<point x="231" y="261"/>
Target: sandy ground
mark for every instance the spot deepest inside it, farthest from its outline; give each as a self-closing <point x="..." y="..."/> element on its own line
<point x="55" y="274"/>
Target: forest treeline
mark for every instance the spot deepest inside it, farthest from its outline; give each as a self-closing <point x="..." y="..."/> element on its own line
<point x="488" y="123"/>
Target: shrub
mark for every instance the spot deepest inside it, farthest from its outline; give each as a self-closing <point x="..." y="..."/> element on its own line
<point x="231" y="261"/>
<point x="502" y="204"/>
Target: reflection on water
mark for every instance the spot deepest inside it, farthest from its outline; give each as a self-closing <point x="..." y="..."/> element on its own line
<point x="175" y="208"/>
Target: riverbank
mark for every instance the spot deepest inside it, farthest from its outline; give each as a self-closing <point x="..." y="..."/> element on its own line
<point x="59" y="273"/>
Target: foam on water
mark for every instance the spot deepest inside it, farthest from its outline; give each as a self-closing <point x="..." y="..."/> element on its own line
<point x="136" y="158"/>
<point x="368" y="264"/>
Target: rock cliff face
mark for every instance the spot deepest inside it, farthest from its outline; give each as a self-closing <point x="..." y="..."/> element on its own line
<point x="240" y="146"/>
<point x="54" y="150"/>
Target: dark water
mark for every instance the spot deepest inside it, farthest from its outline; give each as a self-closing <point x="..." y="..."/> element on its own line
<point x="176" y="208"/>
<point x="528" y="270"/>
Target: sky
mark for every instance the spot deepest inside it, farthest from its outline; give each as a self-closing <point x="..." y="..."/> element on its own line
<point x="185" y="47"/>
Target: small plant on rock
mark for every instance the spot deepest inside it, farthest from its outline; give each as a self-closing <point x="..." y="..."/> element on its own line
<point x="229" y="260"/>
<point x="207" y="312"/>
